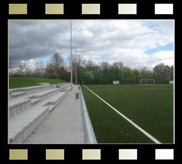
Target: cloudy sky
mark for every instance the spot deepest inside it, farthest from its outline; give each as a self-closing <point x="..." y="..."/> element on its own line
<point x="136" y="43"/>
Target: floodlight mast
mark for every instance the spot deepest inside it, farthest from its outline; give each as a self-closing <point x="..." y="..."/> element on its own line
<point x="76" y="81"/>
<point x="71" y="53"/>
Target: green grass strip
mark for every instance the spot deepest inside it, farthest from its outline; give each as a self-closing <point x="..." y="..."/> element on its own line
<point x="19" y="82"/>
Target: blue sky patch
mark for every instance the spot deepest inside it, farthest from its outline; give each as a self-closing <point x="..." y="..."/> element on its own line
<point x="168" y="47"/>
<point x="102" y="57"/>
<point x="66" y="60"/>
<point x="154" y="27"/>
<point x="44" y="59"/>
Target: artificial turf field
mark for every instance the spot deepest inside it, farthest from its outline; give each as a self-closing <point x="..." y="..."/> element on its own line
<point x="148" y="106"/>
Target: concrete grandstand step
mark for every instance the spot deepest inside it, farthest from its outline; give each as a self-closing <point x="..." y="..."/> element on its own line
<point x="35" y="101"/>
<point x="22" y="125"/>
<point x="60" y="85"/>
<point x="17" y="94"/>
<point x="20" y="104"/>
<point x="53" y="100"/>
<point x="44" y="94"/>
<point x="51" y="108"/>
<point x="66" y="87"/>
<point x="30" y="90"/>
<point x="11" y="91"/>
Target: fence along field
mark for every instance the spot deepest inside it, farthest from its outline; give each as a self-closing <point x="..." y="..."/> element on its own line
<point x="149" y="106"/>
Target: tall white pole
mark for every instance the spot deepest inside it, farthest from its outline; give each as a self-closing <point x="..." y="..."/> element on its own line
<point x="71" y="53"/>
<point x="75" y="69"/>
<point x="76" y="75"/>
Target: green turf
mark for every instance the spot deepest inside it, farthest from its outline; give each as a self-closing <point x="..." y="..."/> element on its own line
<point x="19" y="82"/>
<point x="149" y="106"/>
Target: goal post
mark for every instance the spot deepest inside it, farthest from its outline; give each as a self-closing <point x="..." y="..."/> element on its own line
<point x="147" y="81"/>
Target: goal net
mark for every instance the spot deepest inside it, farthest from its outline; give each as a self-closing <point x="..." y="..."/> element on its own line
<point x="147" y="81"/>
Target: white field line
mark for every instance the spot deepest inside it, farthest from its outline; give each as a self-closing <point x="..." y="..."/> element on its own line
<point x="139" y="89"/>
<point x="126" y="118"/>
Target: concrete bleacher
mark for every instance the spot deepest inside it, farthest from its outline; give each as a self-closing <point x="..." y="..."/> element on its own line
<point x="14" y="93"/>
<point x="29" y="106"/>
<point x="64" y="87"/>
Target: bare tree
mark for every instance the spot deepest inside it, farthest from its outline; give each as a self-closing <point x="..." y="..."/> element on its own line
<point x="145" y="73"/>
<point x="54" y="66"/>
<point x="39" y="69"/>
<point x="116" y="67"/>
<point x="105" y="67"/>
<point x="78" y="66"/>
<point x="56" y="59"/>
<point x="162" y="73"/>
<point x="24" y="70"/>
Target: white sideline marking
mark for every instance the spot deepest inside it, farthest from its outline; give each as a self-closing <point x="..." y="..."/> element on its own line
<point x="126" y="118"/>
<point x="139" y="89"/>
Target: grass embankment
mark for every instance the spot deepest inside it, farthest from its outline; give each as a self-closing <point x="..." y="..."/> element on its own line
<point x="149" y="106"/>
<point x="20" y="82"/>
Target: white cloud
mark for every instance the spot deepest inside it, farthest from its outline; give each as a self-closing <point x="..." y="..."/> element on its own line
<point x="108" y="40"/>
<point x="29" y="63"/>
<point x="167" y="57"/>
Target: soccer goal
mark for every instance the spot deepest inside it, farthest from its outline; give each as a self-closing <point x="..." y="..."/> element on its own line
<point x="147" y="81"/>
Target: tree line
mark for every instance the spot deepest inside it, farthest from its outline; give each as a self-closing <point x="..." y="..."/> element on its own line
<point x="86" y="71"/>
